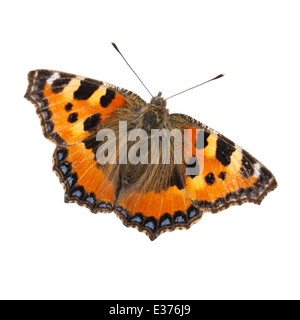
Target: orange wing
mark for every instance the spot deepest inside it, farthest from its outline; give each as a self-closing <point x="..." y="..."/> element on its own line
<point x="157" y="212"/>
<point x="71" y="109"/>
<point x="229" y="175"/>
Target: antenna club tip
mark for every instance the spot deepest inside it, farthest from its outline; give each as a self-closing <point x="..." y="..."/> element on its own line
<point x="115" y="46"/>
<point x="218" y="77"/>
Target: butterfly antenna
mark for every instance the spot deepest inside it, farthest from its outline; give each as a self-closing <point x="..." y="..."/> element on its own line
<point x="115" y="46"/>
<point x="198" y="85"/>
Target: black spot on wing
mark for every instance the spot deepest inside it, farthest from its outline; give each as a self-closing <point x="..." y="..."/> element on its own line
<point x="107" y="98"/>
<point x="222" y="175"/>
<point x="59" y="84"/>
<point x="73" y="117"/>
<point x="210" y="179"/>
<point x="85" y="90"/>
<point x="91" y="122"/>
<point x="225" y="149"/>
<point x="68" y="107"/>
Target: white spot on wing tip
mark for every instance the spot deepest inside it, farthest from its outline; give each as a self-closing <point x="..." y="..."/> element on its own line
<point x="257" y="167"/>
<point x="53" y="77"/>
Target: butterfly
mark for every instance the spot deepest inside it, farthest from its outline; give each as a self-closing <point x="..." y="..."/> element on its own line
<point x="153" y="198"/>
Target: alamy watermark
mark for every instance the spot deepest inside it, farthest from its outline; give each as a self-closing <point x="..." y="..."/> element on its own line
<point x="187" y="147"/>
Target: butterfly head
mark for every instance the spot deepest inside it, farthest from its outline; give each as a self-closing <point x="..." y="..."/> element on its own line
<point x="158" y="101"/>
<point x="155" y="114"/>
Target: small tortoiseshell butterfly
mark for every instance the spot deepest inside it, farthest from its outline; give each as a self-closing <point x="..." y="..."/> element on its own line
<point x="154" y="198"/>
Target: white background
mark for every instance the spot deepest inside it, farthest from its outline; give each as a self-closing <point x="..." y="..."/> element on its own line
<point x="53" y="250"/>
